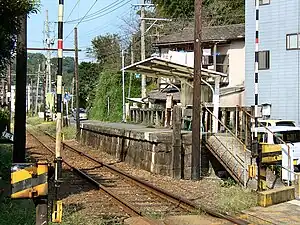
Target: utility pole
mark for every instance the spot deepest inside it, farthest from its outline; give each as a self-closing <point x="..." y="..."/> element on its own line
<point x="76" y="83"/>
<point x="196" y="122"/>
<point x="48" y="42"/>
<point x="123" y="86"/>
<point x="9" y="94"/>
<point x="37" y="91"/>
<point x="20" y="102"/>
<point x="143" y="48"/>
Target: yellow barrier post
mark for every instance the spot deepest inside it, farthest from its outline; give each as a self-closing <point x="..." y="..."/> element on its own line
<point x="30" y="181"/>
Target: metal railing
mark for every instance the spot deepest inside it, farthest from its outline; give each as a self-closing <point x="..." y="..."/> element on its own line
<point x="233" y="147"/>
<point x="278" y="138"/>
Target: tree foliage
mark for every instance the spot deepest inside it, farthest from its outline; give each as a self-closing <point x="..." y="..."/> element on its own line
<point x="215" y="12"/>
<point x="68" y="71"/>
<point x="10" y="12"/>
<point x="175" y="8"/>
<point x="88" y="76"/>
<point x="107" y="51"/>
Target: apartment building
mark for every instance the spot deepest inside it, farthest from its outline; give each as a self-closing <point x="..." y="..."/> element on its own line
<point x="279" y="56"/>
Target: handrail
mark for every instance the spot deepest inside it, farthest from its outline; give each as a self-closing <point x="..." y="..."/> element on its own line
<point x="283" y="142"/>
<point x="245" y="148"/>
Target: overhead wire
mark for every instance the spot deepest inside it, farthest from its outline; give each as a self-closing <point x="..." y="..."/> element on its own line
<point x="98" y="12"/>
<point x="82" y="18"/>
<point x="101" y="15"/>
<point x="73" y="9"/>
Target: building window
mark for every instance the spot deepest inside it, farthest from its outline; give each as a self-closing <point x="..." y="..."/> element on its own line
<point x="292" y="41"/>
<point x="264" y="2"/>
<point x="264" y="60"/>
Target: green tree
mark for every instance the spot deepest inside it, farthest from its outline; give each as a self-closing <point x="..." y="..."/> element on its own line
<point x="215" y="12"/>
<point x="107" y="50"/>
<point x="33" y="61"/>
<point x="109" y="87"/>
<point x="68" y="71"/>
<point x="10" y="12"/>
<point x="88" y="76"/>
<point x="175" y="8"/>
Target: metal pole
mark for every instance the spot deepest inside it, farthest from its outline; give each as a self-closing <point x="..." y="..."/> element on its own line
<point x="37" y="90"/>
<point x="123" y="86"/>
<point x="46" y="45"/>
<point x="132" y="61"/>
<point x="143" y="48"/>
<point x="20" y="102"/>
<point x="31" y="96"/>
<point x="255" y="139"/>
<point x="76" y="82"/>
<point x="44" y="93"/>
<point x="41" y="207"/>
<point x="72" y="93"/>
<point x="9" y="94"/>
<point x="196" y="122"/>
<point x="58" y="159"/>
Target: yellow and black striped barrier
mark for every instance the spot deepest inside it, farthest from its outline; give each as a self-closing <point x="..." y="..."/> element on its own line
<point x="29" y="180"/>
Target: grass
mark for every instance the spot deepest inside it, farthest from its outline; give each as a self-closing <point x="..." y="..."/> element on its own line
<point x="12" y="212"/>
<point x="34" y="121"/>
<point x="50" y="127"/>
<point x="233" y="198"/>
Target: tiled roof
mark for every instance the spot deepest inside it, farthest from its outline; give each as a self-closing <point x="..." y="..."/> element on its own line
<point x="158" y="95"/>
<point x="216" y="33"/>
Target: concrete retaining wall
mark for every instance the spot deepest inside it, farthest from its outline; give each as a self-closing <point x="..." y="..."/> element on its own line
<point x="148" y="150"/>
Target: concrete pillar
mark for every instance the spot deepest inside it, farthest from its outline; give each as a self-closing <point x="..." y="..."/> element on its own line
<point x="176" y="142"/>
<point x="186" y="94"/>
<point x="216" y="103"/>
<point x="127" y="112"/>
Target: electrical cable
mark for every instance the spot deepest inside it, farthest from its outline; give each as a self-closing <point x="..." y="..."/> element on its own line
<point x="82" y="18"/>
<point x="73" y="10"/>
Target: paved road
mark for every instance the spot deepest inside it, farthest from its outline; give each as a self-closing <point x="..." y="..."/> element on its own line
<point x="287" y="213"/>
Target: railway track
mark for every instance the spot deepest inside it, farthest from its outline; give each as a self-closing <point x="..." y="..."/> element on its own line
<point x="137" y="197"/>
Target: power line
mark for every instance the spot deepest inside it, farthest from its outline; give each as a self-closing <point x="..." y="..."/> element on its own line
<point x="107" y="12"/>
<point x="73" y="10"/>
<point x="97" y="12"/>
<point x="82" y="18"/>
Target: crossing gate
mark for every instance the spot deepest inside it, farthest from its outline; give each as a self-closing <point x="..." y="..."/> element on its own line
<point x="29" y="180"/>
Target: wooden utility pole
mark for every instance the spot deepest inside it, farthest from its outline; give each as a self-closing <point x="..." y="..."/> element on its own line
<point x="9" y="94"/>
<point x="76" y="83"/>
<point x="37" y="91"/>
<point x="143" y="48"/>
<point x="196" y="123"/>
<point x="20" y="103"/>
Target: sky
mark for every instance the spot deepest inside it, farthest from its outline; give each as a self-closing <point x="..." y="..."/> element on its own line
<point x="111" y="19"/>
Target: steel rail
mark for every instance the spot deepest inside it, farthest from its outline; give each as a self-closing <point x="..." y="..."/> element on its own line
<point x="179" y="201"/>
<point x="131" y="210"/>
